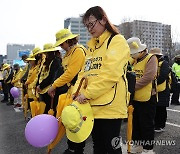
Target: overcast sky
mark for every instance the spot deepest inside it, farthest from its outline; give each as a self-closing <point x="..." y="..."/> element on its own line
<point x="37" y="21"/>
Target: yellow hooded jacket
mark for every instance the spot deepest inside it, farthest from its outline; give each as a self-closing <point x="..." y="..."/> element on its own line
<point x="72" y="64"/>
<point x="16" y="78"/>
<point x="105" y="69"/>
<point x="31" y="81"/>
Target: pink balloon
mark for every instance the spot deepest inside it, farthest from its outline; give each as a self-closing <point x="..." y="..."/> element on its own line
<point x="14" y="92"/>
<point x="41" y="130"/>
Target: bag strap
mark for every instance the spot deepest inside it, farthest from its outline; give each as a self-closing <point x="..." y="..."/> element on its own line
<point x="79" y="87"/>
<point x="109" y="40"/>
<point x="73" y="81"/>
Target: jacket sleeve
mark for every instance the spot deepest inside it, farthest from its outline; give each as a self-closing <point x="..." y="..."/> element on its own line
<point x="75" y="64"/>
<point x="60" y="69"/>
<point x="164" y="72"/>
<point x="10" y="76"/>
<point x="17" y="77"/>
<point x="32" y="77"/>
<point x="25" y="72"/>
<point x="113" y="68"/>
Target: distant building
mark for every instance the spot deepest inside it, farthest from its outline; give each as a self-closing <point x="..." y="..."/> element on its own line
<point x="77" y="27"/>
<point x="2" y="58"/>
<point x="154" y="34"/>
<point x="15" y="51"/>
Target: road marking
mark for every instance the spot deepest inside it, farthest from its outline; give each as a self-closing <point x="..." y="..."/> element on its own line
<point x="168" y="123"/>
<point x="173" y="110"/>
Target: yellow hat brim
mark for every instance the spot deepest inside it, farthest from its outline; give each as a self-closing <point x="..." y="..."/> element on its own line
<point x="37" y="52"/>
<point x="87" y="125"/>
<point x="49" y="50"/>
<point x="65" y="39"/>
<point x="6" y="67"/>
<point x="29" y="59"/>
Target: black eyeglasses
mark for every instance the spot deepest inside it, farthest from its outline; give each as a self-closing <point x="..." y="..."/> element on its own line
<point x="91" y="24"/>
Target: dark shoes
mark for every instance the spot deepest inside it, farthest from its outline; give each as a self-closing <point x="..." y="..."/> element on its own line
<point x="4" y="101"/>
<point x="175" y="103"/>
<point x="68" y="151"/>
<point x="10" y="103"/>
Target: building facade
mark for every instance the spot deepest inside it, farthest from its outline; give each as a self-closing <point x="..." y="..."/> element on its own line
<point x="15" y="51"/>
<point x="154" y="34"/>
<point x="77" y="27"/>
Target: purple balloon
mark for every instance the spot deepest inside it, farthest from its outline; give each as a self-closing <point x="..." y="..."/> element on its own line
<point x="41" y="130"/>
<point x="14" y="92"/>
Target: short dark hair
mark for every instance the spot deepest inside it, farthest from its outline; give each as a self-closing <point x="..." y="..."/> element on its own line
<point x="24" y="57"/>
<point x="16" y="66"/>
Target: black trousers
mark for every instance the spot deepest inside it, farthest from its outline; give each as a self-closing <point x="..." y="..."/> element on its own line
<point x="143" y="123"/>
<point x="77" y="147"/>
<point x="47" y="100"/>
<point x="106" y="136"/>
<point x="59" y="91"/>
<point x="9" y="88"/>
<point x="5" y="90"/>
<point x="160" y="117"/>
<point x="175" y="95"/>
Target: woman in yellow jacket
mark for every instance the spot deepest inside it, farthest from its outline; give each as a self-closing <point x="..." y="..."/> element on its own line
<point x="17" y="83"/>
<point x="31" y="78"/>
<point x="107" y="91"/>
<point x="72" y="63"/>
<point x="144" y="102"/>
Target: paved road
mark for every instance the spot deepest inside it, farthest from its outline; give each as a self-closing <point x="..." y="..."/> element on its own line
<point x="12" y="139"/>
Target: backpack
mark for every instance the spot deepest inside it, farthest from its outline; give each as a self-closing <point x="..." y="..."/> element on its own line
<point x="130" y="75"/>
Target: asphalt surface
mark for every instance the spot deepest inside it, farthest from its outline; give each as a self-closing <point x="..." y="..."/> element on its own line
<point x="12" y="138"/>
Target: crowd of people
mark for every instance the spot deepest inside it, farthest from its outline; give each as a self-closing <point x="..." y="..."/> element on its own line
<point x="104" y="63"/>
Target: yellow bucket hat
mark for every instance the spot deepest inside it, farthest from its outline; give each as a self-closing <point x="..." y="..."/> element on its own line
<point x="78" y="120"/>
<point x="36" y="51"/>
<point x="48" y="47"/>
<point x="5" y="66"/>
<point x="64" y="35"/>
<point x="31" y="57"/>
